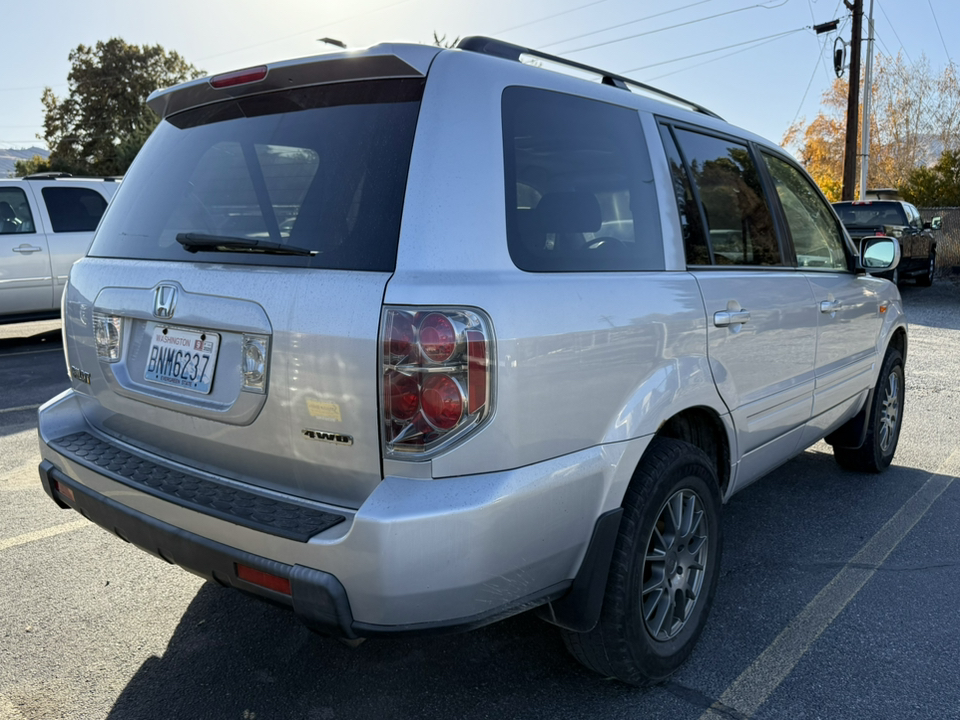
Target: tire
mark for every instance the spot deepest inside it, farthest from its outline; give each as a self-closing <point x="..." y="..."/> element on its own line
<point x="926" y="280"/>
<point x="641" y="638"/>
<point x="884" y="421"/>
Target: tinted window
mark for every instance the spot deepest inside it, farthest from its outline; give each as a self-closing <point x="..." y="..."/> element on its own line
<point x="871" y="213"/>
<point x="323" y="169"/>
<point x="73" y="209"/>
<point x="817" y="239"/>
<point x="579" y="187"/>
<point x="694" y="239"/>
<point x="739" y="224"/>
<point x="15" y="215"/>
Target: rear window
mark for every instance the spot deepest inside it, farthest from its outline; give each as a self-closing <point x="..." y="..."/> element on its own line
<point x="320" y="169"/>
<point x="579" y="187"/>
<point x="73" y="209"/>
<point x="871" y="213"/>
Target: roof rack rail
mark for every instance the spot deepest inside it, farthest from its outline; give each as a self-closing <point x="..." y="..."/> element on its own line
<point x="53" y="175"/>
<point x="508" y="51"/>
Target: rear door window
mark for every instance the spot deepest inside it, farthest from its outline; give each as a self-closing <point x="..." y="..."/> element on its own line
<point x="736" y="214"/>
<point x="321" y="170"/>
<point x="15" y="215"/>
<point x="73" y="209"/>
<point x="579" y="187"/>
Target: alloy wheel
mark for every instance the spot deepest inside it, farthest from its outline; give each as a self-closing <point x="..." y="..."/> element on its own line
<point x="889" y="412"/>
<point x="674" y="565"/>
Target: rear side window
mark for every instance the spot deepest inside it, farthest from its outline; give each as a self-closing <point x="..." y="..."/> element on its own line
<point x="739" y="224"/>
<point x="579" y="186"/>
<point x="15" y="215"/>
<point x="321" y="169"/>
<point x="73" y="209"/>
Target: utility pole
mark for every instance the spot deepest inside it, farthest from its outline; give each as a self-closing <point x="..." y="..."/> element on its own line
<point x="853" y="103"/>
<point x="867" y="91"/>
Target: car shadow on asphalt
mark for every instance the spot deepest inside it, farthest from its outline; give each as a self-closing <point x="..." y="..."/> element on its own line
<point x="36" y="341"/>
<point x="786" y="536"/>
<point x="235" y="657"/>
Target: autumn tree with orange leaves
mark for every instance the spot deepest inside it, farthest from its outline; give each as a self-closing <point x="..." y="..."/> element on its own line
<point x="915" y="119"/>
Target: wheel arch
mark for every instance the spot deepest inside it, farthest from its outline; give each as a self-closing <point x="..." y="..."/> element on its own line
<point x="702" y="427"/>
<point x="898" y="341"/>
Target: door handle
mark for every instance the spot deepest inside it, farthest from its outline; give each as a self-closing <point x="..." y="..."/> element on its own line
<point x="830" y="306"/>
<point x="26" y="249"/>
<point x="726" y="318"/>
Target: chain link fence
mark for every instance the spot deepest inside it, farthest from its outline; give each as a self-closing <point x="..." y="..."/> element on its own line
<point x="948" y="238"/>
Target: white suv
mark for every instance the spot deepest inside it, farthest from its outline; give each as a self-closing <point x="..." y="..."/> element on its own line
<point x="46" y="224"/>
<point x="411" y="339"/>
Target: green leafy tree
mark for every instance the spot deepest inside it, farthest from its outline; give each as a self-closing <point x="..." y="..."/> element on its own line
<point x="936" y="186"/>
<point x="99" y="127"/>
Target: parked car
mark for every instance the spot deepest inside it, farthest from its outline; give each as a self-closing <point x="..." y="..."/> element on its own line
<point x="412" y="339"/>
<point x="899" y="219"/>
<point x="46" y="224"/>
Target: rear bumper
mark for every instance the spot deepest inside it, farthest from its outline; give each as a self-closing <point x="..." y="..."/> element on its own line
<point x="417" y="556"/>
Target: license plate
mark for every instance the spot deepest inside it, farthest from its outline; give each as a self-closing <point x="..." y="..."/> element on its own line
<point x="182" y="358"/>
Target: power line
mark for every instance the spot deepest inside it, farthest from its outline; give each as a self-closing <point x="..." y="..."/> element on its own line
<point x="713" y="60"/>
<point x="809" y="84"/>
<point x="880" y="40"/>
<point x="937" y="23"/>
<point x="720" y="49"/>
<point x="620" y="25"/>
<point x="33" y="87"/>
<point x="671" y="27"/>
<point x="550" y="17"/>
<point x="308" y="31"/>
<point x="894" y="28"/>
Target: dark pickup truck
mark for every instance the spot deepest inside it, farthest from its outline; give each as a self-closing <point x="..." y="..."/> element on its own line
<point x="901" y="220"/>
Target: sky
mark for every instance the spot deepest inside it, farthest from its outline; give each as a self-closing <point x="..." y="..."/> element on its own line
<point x="758" y="65"/>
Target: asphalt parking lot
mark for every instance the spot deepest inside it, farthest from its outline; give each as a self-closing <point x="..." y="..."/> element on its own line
<point x="837" y="599"/>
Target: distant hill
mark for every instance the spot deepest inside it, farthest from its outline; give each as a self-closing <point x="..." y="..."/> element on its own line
<point x="8" y="156"/>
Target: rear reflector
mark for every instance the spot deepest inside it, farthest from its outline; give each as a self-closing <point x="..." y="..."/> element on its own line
<point x="263" y="579"/>
<point x="239" y="77"/>
<point x="64" y="490"/>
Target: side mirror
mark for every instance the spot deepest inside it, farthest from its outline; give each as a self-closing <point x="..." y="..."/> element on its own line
<point x="936" y="223"/>
<point x="878" y="253"/>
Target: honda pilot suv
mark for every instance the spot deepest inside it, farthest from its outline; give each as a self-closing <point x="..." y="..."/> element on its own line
<point x="413" y="339"/>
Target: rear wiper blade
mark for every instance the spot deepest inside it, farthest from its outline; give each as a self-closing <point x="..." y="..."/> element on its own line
<point x="200" y="242"/>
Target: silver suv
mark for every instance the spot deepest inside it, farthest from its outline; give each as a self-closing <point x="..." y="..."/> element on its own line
<point x="412" y="339"/>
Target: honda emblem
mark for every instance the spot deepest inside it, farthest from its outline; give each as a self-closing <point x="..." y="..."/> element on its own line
<point x="165" y="302"/>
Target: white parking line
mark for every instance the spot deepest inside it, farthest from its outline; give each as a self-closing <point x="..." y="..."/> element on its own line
<point x="23" y="478"/>
<point x="42" y="534"/>
<point x="8" y="709"/>
<point x="748" y="692"/>
<point x="19" y="409"/>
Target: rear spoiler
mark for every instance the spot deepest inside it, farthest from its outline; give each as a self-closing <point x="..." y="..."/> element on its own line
<point x="375" y="63"/>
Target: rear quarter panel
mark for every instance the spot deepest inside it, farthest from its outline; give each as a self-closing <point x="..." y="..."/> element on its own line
<point x="582" y="359"/>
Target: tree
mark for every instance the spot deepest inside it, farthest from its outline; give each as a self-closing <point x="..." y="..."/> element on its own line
<point x="99" y="127"/>
<point x="441" y="40"/>
<point x="915" y="117"/>
<point x="937" y="186"/>
<point x="35" y="164"/>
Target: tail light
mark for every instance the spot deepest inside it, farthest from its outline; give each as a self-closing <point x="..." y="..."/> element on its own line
<point x="108" y="335"/>
<point x="436" y="377"/>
